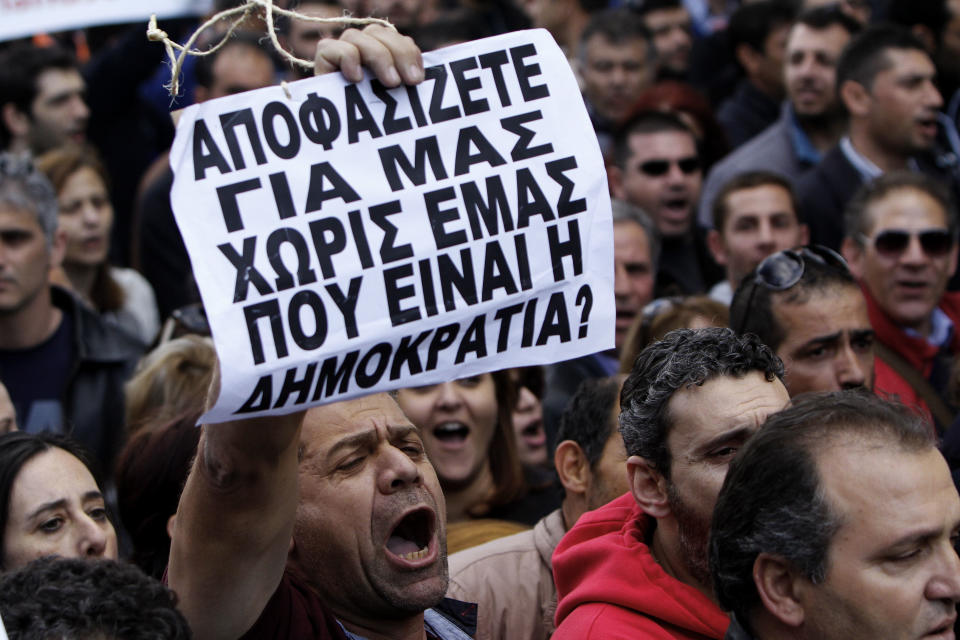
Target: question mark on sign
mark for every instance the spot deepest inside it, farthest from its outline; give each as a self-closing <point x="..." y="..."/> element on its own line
<point x="585" y="294"/>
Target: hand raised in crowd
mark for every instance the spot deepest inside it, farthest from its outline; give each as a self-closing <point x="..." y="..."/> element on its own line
<point x="393" y="58"/>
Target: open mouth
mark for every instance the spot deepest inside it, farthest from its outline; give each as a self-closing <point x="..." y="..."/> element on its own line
<point x="410" y="539"/>
<point x="451" y="432"/>
<point x="533" y="435"/>
<point x="945" y="630"/>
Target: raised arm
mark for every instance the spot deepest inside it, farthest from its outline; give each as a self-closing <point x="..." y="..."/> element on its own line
<point x="235" y="519"/>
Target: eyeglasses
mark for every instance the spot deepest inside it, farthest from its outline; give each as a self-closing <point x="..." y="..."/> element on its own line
<point x="893" y="242"/>
<point x="782" y="270"/>
<point x="656" y="168"/>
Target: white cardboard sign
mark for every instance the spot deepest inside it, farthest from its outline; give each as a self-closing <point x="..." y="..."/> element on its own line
<point x="20" y="18"/>
<point x="348" y="239"/>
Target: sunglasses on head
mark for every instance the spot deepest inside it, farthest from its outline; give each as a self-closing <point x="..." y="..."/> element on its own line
<point x="893" y="242"/>
<point x="782" y="270"/>
<point x="654" y="168"/>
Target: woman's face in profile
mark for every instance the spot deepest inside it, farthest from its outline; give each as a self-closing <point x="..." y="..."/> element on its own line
<point x="56" y="508"/>
<point x="457" y="420"/>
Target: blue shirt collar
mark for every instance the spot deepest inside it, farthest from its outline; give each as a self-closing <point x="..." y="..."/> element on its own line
<point x="941" y="329"/>
<point x="803" y="149"/>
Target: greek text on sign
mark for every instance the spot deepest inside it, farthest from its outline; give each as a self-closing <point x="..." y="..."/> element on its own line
<point x="350" y="238"/>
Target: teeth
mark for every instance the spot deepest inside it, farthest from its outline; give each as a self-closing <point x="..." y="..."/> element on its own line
<point x="415" y="555"/>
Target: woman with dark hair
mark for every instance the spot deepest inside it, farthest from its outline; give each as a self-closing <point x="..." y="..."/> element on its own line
<point x="467" y="429"/>
<point x="151" y="471"/>
<point x="50" y="502"/>
<point x="86" y="218"/>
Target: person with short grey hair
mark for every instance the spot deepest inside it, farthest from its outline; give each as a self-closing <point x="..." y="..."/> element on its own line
<point x="837" y="521"/>
<point x="63" y="366"/>
<point x="637" y="567"/>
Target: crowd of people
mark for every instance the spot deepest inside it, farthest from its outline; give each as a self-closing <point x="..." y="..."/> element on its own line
<point x="767" y="451"/>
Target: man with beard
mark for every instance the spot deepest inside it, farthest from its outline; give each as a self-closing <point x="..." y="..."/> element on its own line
<point x="511" y="578"/>
<point x="328" y="524"/>
<point x="811" y="120"/>
<point x="637" y="567"/>
<point x="657" y="168"/>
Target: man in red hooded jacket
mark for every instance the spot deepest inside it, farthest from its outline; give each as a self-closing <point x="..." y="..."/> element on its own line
<point x="637" y="567"/>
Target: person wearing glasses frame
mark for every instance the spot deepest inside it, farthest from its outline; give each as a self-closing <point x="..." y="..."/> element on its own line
<point x="657" y="168"/>
<point x="805" y="305"/>
<point x="901" y="244"/>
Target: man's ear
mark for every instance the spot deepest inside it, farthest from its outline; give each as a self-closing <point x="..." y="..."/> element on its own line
<point x="717" y="247"/>
<point x="16" y="121"/>
<point x="615" y="180"/>
<point x="748" y="58"/>
<point x="856" y="98"/>
<point x="572" y="467"/>
<point x="852" y="252"/>
<point x="780" y="588"/>
<point x="648" y="486"/>
<point x="804" y="234"/>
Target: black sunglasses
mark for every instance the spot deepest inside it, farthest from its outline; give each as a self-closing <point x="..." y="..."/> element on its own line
<point x="892" y="242"/>
<point x="655" y="168"/>
<point x="782" y="270"/>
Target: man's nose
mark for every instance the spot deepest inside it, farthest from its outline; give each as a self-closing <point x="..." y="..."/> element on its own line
<point x="398" y="471"/>
<point x="850" y="372"/>
<point x="944" y="585"/>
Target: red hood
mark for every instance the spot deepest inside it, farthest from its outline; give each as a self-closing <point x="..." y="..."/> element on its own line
<point x="604" y="559"/>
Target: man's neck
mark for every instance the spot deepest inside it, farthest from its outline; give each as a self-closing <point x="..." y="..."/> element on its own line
<point x="31" y="324"/>
<point x="823" y="135"/>
<point x="406" y="629"/>
<point x="869" y="149"/>
<point x="666" y="551"/>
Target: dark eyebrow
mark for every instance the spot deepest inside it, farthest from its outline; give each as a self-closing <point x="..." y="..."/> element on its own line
<point x="827" y="339"/>
<point x="48" y="506"/>
<point x="734" y="434"/>
<point x="354" y="441"/>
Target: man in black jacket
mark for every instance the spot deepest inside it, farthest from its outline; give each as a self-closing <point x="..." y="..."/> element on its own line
<point x="64" y="366"/>
<point x="885" y="79"/>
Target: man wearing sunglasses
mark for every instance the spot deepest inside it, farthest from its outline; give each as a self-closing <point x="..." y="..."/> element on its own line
<point x="657" y="168"/>
<point x="902" y="245"/>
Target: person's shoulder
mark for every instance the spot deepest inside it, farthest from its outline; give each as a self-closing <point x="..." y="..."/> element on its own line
<point x="97" y="340"/>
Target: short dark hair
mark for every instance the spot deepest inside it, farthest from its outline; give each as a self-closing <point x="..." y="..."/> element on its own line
<point x="20" y="67"/>
<point x="646" y="122"/>
<point x="866" y="55"/>
<point x="772" y="500"/>
<point x="684" y="358"/>
<point x="751" y="24"/>
<point x="16" y="449"/>
<point x="824" y="17"/>
<point x="587" y="418"/>
<point x="616" y="26"/>
<point x="749" y="180"/>
<point x="203" y="71"/>
<point x="760" y="320"/>
<point x="856" y="216"/>
<point x="57" y="597"/>
<point x="643" y="7"/>
<point x="932" y="14"/>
